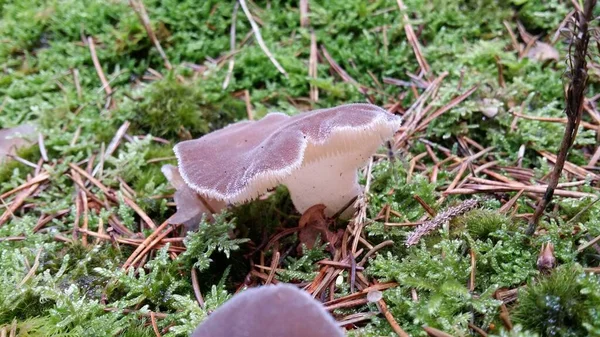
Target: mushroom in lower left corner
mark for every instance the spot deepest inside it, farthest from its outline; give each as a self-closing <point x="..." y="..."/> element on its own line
<point x="315" y="154"/>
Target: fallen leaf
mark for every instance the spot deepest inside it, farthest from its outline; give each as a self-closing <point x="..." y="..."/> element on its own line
<point x="539" y="51"/>
<point x="542" y="51"/>
<point x="313" y="224"/>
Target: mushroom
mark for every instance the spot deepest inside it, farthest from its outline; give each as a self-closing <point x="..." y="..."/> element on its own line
<point x="190" y="205"/>
<point x="280" y="310"/>
<point x="13" y="138"/>
<point x="314" y="154"/>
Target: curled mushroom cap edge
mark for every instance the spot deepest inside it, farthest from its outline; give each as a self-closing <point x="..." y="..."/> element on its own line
<point x="315" y="154"/>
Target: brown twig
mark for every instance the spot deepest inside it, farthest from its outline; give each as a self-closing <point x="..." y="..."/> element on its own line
<point x="412" y="39"/>
<point x="304" y="20"/>
<point x="374" y="250"/>
<point x="35" y="180"/>
<point x="312" y="66"/>
<point x="196" y="287"/>
<point x="105" y="84"/>
<point x="140" y="212"/>
<point x="274" y="264"/>
<point x="390" y="318"/>
<point x="33" y="268"/>
<point x="144" y="244"/>
<point x="112" y="146"/>
<point x="42" y="145"/>
<point x="19" y="200"/>
<point x="574" y="105"/>
<point x="140" y="10"/>
<point x="154" y="325"/>
<point x="433" y="332"/>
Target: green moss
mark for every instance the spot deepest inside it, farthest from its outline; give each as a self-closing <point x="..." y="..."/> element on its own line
<point x="563" y="304"/>
<point x="41" y="47"/>
<point x="138" y="330"/>
<point x="480" y="223"/>
<point x="12" y="170"/>
<point x="175" y="110"/>
<point x="439" y="275"/>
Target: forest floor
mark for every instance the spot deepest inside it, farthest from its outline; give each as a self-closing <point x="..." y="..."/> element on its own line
<point x="112" y="85"/>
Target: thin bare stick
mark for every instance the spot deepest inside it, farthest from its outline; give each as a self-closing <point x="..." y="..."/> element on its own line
<point x="77" y="82"/>
<point x="43" y="151"/>
<point x="574" y="105"/>
<point x="274" y="264"/>
<point x="231" y="46"/>
<point x="154" y="325"/>
<point x="259" y="38"/>
<point x="35" y="180"/>
<point x="374" y="250"/>
<point x="312" y="67"/>
<point x="595" y="157"/>
<point x="31" y="272"/>
<point x="140" y="212"/>
<point x="304" y="20"/>
<point x="196" y="287"/>
<point x="112" y="146"/>
<point x="248" y="105"/>
<point x="144" y="244"/>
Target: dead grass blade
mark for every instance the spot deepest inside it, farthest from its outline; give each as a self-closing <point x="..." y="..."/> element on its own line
<point x="259" y="38"/>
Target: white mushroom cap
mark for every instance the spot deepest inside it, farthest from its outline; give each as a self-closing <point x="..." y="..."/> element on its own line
<point x="280" y="310"/>
<point x="315" y="154"/>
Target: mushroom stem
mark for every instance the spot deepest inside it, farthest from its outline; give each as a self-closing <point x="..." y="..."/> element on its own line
<point x="330" y="181"/>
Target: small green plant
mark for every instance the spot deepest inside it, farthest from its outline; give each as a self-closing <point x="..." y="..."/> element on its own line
<point x="564" y="304"/>
<point x="480" y="223"/>
<point x="210" y="237"/>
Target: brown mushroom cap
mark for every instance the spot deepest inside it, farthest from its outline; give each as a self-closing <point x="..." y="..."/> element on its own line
<point x="315" y="154"/>
<point x="190" y="206"/>
<point x="280" y="310"/>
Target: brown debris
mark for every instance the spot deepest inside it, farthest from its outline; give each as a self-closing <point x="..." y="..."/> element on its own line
<point x="314" y="224"/>
<point x="140" y="10"/>
<point x="412" y="39"/>
<point x="438" y="220"/>
<point x="546" y="260"/>
<point x="433" y="332"/>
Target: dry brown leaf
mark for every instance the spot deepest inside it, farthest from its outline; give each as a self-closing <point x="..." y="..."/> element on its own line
<point x="541" y="51"/>
<point x="313" y="224"/>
